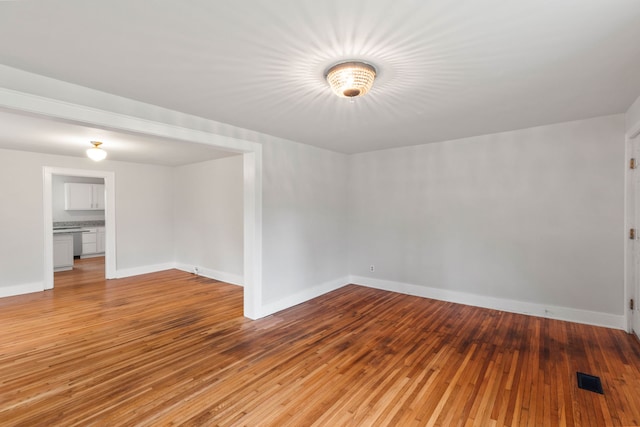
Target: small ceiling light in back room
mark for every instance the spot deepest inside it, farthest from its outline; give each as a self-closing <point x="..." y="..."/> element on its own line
<point x="96" y="153"/>
<point x="351" y="79"/>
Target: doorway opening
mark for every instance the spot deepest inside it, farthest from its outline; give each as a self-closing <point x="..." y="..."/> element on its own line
<point x="78" y="227"/>
<point x="79" y="220"/>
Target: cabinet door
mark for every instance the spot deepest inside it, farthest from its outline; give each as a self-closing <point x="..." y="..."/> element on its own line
<point x="83" y="197"/>
<point x="98" y="196"/>
<point x="62" y="251"/>
<point x="100" y="240"/>
<point x="78" y="196"/>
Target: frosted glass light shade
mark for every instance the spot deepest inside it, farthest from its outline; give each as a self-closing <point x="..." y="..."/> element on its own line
<point x="351" y="79"/>
<point x="96" y="153"/>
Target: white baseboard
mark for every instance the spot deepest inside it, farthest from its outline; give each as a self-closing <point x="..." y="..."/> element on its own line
<point x="210" y="273"/>
<point x="144" y="269"/>
<point x="302" y="296"/>
<point x="25" y="288"/>
<point x="553" y="312"/>
<point x="532" y="309"/>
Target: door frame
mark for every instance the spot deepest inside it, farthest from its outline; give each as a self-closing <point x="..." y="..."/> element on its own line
<point x="632" y="220"/>
<point x="109" y="218"/>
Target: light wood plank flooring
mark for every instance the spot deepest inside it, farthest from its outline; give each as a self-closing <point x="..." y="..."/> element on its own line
<point x="172" y="348"/>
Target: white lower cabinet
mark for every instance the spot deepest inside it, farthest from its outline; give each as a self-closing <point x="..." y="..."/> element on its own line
<point x="93" y="242"/>
<point x="62" y="252"/>
<point x="100" y="240"/>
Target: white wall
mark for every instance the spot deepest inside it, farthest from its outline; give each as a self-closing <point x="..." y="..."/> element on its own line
<point x="208" y="213"/>
<point x="57" y="194"/>
<point x="534" y="215"/>
<point x="21" y="219"/>
<point x="304" y="223"/>
<point x="144" y="214"/>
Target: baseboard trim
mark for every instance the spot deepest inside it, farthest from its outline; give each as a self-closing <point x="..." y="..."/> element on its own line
<point x="303" y="296"/>
<point x="144" y="269"/>
<point x="532" y="309"/>
<point x="210" y="273"/>
<point x="25" y="288"/>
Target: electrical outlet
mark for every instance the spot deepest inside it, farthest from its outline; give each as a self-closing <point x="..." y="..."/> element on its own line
<point x="372" y="268"/>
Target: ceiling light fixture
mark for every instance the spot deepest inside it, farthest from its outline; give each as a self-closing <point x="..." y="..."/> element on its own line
<point x="351" y="79"/>
<point x="96" y="153"/>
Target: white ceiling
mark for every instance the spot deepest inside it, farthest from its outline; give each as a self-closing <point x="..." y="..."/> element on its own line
<point x="42" y="135"/>
<point x="447" y="68"/>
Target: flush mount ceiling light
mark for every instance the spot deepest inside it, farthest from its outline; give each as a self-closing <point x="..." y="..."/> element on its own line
<point x="96" y="153"/>
<point x="351" y="79"/>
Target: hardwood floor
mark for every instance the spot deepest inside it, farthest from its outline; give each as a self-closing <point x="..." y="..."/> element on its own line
<point x="173" y="348"/>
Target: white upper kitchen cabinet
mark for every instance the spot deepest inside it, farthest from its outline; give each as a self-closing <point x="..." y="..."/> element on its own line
<point x="98" y="196"/>
<point x="83" y="197"/>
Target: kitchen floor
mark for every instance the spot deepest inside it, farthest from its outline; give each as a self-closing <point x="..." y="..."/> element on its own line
<point x="87" y="270"/>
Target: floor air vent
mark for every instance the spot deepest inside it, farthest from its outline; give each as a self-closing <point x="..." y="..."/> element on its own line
<point x="589" y="382"/>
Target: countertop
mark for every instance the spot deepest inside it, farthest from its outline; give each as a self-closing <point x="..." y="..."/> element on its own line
<point x="70" y="230"/>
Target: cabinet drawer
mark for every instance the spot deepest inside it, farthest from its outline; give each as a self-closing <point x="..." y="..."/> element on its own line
<point x="89" y="248"/>
<point x="88" y="238"/>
